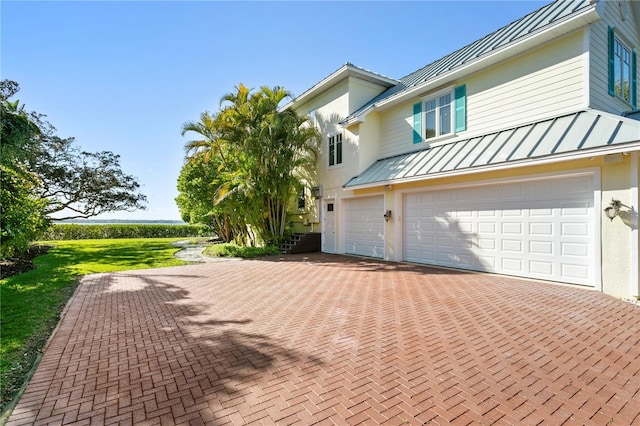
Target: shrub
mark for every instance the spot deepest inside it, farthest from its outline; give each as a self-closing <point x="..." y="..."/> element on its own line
<point x="233" y="250"/>
<point x="59" y="232"/>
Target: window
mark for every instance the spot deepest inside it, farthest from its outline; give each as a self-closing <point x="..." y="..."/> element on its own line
<point x="335" y="149"/>
<point x="440" y="114"/>
<point x="622" y="69"/>
<point x="437" y="116"/>
<point x="302" y="200"/>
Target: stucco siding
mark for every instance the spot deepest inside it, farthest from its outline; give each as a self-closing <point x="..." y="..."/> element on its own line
<point x="616" y="234"/>
<point x="598" y="67"/>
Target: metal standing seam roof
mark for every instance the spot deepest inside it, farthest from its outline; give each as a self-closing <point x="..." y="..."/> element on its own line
<point x="580" y="131"/>
<point x="533" y="22"/>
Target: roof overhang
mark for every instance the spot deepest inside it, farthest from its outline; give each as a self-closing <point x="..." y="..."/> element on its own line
<point x="627" y="148"/>
<point x="562" y="27"/>
<point x="345" y="71"/>
<point x="584" y="134"/>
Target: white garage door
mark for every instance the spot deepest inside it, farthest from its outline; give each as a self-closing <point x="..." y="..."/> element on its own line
<point x="539" y="229"/>
<point x="364" y="226"/>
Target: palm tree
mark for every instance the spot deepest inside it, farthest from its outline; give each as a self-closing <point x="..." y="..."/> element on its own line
<point x="260" y="153"/>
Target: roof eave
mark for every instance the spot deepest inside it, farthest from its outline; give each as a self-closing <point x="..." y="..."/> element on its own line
<point x="565" y="26"/>
<point x="347" y="70"/>
<point x="550" y="159"/>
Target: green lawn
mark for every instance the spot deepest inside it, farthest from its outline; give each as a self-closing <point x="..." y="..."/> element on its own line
<point x="30" y="303"/>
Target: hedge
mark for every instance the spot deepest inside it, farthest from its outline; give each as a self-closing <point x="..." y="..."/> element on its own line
<point x="58" y="232"/>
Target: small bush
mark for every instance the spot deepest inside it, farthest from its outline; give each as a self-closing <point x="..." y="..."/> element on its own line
<point x="64" y="231"/>
<point x="233" y="250"/>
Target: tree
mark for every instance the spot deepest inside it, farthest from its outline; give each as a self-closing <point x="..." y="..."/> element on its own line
<point x="22" y="214"/>
<point x="197" y="185"/>
<point x="260" y="154"/>
<point x="80" y="184"/>
<point x="45" y="176"/>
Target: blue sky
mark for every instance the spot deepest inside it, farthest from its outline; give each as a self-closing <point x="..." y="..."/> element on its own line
<point x="124" y="76"/>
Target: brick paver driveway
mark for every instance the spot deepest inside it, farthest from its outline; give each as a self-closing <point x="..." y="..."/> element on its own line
<point x="335" y="340"/>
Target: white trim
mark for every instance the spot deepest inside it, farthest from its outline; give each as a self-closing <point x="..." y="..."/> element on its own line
<point x="586" y="67"/>
<point x="635" y="242"/>
<point x="596" y="218"/>
<point x="335" y="165"/>
<point x="435" y="96"/>
<point x="511" y="179"/>
<point x="597" y="226"/>
<point x="347" y="70"/>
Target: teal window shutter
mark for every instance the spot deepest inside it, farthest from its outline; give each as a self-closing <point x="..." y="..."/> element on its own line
<point x="612" y="77"/>
<point x="634" y="83"/>
<point x="417" y="122"/>
<point x="460" y="95"/>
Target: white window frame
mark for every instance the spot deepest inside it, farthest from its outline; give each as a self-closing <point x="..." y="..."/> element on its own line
<point x="619" y="50"/>
<point x="437" y="96"/>
<point x="301" y="199"/>
<point x="336" y="140"/>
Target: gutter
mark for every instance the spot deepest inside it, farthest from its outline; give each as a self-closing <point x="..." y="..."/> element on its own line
<point x="550" y="159"/>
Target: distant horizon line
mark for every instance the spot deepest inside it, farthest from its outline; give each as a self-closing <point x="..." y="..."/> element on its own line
<point x="118" y="220"/>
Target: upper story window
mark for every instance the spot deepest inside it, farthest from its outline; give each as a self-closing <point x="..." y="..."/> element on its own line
<point x="437" y="116"/>
<point x="335" y="149"/>
<point x="440" y="114"/>
<point x="622" y="69"/>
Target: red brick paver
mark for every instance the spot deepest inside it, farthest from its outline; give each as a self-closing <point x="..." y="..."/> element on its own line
<point x="323" y="339"/>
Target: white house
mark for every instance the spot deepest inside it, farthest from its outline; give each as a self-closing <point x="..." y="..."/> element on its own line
<point x="500" y="157"/>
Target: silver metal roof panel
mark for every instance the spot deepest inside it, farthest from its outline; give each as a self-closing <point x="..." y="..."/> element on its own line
<point x="535" y="21"/>
<point x="559" y="136"/>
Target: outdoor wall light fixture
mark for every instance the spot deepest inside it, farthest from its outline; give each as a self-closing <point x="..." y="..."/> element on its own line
<point x="387" y="215"/>
<point x="614" y="209"/>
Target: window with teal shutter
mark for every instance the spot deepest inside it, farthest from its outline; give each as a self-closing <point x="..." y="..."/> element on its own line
<point x="634" y="82"/>
<point x="611" y="55"/>
<point x="461" y="108"/>
<point x="417" y="122"/>
<point x="621" y="69"/>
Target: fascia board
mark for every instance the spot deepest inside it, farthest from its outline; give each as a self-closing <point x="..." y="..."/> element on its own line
<point x="555" y="158"/>
<point x="347" y="70"/>
<point x="586" y="17"/>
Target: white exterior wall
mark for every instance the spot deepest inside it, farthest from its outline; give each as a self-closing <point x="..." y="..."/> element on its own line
<point x="329" y="108"/>
<point x="362" y="92"/>
<point x="618" y="259"/>
<point x="598" y="68"/>
<point x="369" y="137"/>
<point x="545" y="82"/>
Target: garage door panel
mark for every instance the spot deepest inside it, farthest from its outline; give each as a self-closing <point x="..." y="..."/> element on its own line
<point x="512" y="246"/>
<point x="574" y="249"/>
<point x="541" y="247"/>
<point x="543" y="269"/>
<point x="364" y="226"/>
<point x="540" y="229"/>
<point x="512" y="265"/>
